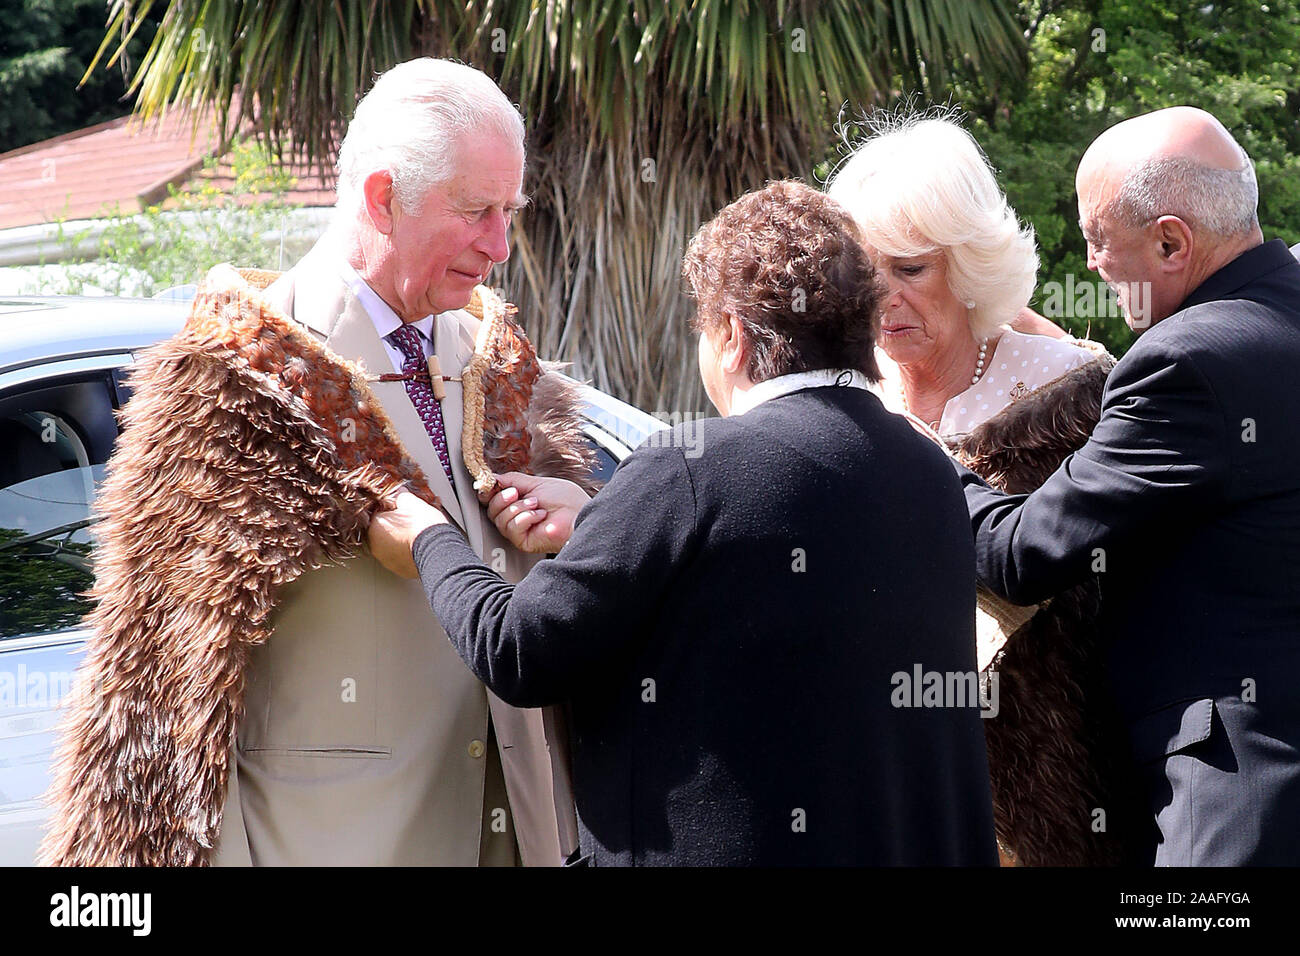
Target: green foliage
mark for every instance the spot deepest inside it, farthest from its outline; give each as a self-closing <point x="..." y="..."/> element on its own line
<point x="177" y="242"/>
<point x="45" y="48"/>
<point x="1093" y="63"/>
<point x="39" y="594"/>
<point x="611" y="65"/>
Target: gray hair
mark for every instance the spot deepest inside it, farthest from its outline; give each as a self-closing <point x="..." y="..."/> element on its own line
<point x="1222" y="202"/>
<point x="410" y="124"/>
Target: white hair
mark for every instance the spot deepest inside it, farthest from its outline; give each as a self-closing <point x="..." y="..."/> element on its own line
<point x="1222" y="202"/>
<point x="410" y="124"/>
<point x="921" y="184"/>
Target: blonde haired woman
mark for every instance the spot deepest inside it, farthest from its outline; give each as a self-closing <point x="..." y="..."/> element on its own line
<point x="960" y="270"/>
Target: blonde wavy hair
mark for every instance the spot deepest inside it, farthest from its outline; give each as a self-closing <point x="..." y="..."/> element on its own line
<point x="922" y="184"/>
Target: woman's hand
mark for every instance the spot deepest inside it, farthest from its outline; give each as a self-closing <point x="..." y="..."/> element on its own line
<point x="534" y="514"/>
<point x="393" y="532"/>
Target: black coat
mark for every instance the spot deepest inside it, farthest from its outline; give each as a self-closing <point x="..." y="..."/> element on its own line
<point x="727" y="621"/>
<point x="1186" y="504"/>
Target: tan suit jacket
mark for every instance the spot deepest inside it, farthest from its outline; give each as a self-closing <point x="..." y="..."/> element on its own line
<point x="364" y="735"/>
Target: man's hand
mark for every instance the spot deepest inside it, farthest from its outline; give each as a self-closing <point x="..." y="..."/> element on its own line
<point x="393" y="532"/>
<point x="1031" y="323"/>
<point x="534" y="514"/>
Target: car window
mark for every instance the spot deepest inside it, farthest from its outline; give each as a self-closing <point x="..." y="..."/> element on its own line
<point x="603" y="470"/>
<point x="55" y="436"/>
<point x="47" y="484"/>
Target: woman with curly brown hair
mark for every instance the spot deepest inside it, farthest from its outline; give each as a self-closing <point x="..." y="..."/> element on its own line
<point x="731" y="616"/>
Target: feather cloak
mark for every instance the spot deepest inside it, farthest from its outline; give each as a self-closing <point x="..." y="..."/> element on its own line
<point x="250" y="454"/>
<point x="1064" y="788"/>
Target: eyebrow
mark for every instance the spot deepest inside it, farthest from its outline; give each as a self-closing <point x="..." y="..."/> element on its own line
<point x="480" y="202"/>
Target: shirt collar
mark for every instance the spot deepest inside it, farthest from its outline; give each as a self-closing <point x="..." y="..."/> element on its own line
<point x="380" y="312"/>
<point x="744" y="400"/>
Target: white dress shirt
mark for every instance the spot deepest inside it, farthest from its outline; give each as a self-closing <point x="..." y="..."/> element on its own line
<point x="384" y="318"/>
<point x="742" y="400"/>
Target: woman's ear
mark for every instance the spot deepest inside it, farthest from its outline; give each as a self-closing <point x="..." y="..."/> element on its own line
<point x="735" y="350"/>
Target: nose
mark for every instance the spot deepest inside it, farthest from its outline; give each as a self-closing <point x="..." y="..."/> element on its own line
<point x="893" y="290"/>
<point x="494" y="241"/>
<point x="1092" y="259"/>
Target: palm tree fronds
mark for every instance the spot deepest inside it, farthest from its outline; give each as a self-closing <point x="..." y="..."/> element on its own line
<point x="645" y="117"/>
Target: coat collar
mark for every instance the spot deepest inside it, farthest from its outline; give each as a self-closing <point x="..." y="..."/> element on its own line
<point x="768" y="389"/>
<point x="1249" y="267"/>
<point x="323" y="302"/>
<point x="381" y="313"/>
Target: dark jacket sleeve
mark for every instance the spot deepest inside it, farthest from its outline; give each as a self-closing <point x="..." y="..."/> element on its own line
<point x="572" y="617"/>
<point x="1160" y="450"/>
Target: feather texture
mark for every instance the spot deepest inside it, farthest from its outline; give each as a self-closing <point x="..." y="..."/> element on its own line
<point x="531" y="413"/>
<point x="1057" y="751"/>
<point x="250" y="454"/>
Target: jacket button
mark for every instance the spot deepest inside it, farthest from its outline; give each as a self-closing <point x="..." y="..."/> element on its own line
<point x="476" y="749"/>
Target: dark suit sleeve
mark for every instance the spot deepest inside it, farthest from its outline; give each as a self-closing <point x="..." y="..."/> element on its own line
<point x="1159" y="453"/>
<point x="572" y="617"/>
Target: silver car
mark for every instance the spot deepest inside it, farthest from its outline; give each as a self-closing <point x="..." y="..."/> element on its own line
<point x="63" y="363"/>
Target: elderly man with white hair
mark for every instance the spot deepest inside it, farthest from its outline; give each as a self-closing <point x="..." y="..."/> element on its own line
<point x="365" y="740"/>
<point x="1185" y="501"/>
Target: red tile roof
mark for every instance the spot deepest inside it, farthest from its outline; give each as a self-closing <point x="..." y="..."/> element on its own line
<point x="87" y="173"/>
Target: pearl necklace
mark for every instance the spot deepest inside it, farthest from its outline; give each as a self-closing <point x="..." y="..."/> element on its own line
<point x="974" y="380"/>
<point x="979" y="366"/>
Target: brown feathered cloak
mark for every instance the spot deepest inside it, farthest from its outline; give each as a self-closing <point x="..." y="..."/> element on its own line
<point x="1064" y="791"/>
<point x="250" y="455"/>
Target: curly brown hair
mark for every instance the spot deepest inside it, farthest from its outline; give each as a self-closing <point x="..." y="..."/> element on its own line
<point x="787" y="262"/>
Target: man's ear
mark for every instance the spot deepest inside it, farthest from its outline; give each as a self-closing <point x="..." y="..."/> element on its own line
<point x="1175" y="238"/>
<point x="735" y="351"/>
<point x="377" y="189"/>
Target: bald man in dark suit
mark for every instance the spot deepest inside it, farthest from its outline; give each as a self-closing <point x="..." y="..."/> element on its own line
<point x="1185" y="502"/>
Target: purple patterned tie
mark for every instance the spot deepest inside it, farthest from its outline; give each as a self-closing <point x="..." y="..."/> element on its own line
<point x="407" y="339"/>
